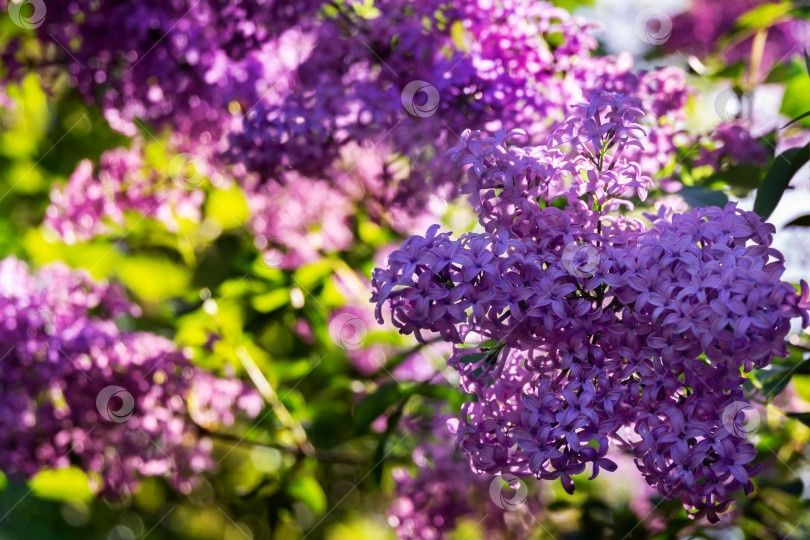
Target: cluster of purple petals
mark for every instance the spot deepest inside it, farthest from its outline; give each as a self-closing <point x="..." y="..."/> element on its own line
<point x="499" y="65"/>
<point x="444" y="490"/>
<point x="293" y="223"/>
<point x="700" y="29"/>
<point x="600" y="330"/>
<point x="277" y="86"/>
<point x="730" y="143"/>
<point x="94" y="199"/>
<point x="486" y="62"/>
<point x="178" y="63"/>
<point x="76" y="390"/>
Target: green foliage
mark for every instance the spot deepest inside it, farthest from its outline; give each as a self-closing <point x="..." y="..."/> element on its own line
<point x="776" y="181"/>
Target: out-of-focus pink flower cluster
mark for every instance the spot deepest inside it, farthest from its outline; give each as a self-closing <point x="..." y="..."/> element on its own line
<point x="74" y="389"/>
<point x="92" y="200"/>
<point x="600" y="330"/>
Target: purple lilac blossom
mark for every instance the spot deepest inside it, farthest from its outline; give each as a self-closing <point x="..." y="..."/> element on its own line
<point x="272" y="87"/>
<point x="77" y="390"/>
<point x="700" y="31"/>
<point x="647" y="327"/>
<point x="444" y="490"/>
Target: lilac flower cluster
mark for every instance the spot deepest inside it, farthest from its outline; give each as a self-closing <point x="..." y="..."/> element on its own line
<point x="445" y="490"/>
<point x="599" y="330"/>
<point x="499" y="65"/>
<point x="93" y="200"/>
<point x="731" y="143"/>
<point x="179" y="63"/>
<point x="74" y="389"/>
<point x="277" y="86"/>
<point x="305" y="217"/>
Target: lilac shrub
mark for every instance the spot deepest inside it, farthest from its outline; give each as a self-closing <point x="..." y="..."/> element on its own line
<point x="78" y="390"/>
<point x="271" y="88"/>
<point x="599" y="330"/>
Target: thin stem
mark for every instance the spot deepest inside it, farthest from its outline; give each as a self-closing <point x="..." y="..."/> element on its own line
<point x="281" y="412"/>
<point x="757" y="51"/>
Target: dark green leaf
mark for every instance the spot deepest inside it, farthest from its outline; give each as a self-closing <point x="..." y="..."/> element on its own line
<point x="807" y="61"/>
<point x="379" y="452"/>
<point x="777" y="382"/>
<point x="784" y="167"/>
<point x="473" y="357"/>
<point x="804" y="115"/>
<point x="802" y="221"/>
<point x="744" y="176"/>
<point x="442" y="392"/>
<point x="697" y="196"/>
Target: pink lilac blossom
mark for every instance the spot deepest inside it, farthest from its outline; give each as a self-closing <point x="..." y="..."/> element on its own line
<point x="594" y="321"/>
<point x="93" y="200"/>
<point x="303" y="216"/>
<point x="77" y="390"/>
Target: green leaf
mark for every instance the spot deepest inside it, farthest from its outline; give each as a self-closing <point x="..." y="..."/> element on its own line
<point x="802" y="221"/>
<point x="733" y="71"/>
<point x="697" y="196"/>
<point x="271" y="301"/>
<point x="803" y="115"/>
<point x="763" y="16"/>
<point x="307" y="490"/>
<point x="473" y="357"/>
<point x="375" y="404"/>
<point x="488" y="344"/>
<point x="797" y="88"/>
<point x="152" y="278"/>
<point x="458" y="36"/>
<point x="68" y="484"/>
<point x="803" y="417"/>
<point x="744" y="176"/>
<point x="441" y="392"/>
<point x="778" y="178"/>
<point x="227" y="206"/>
